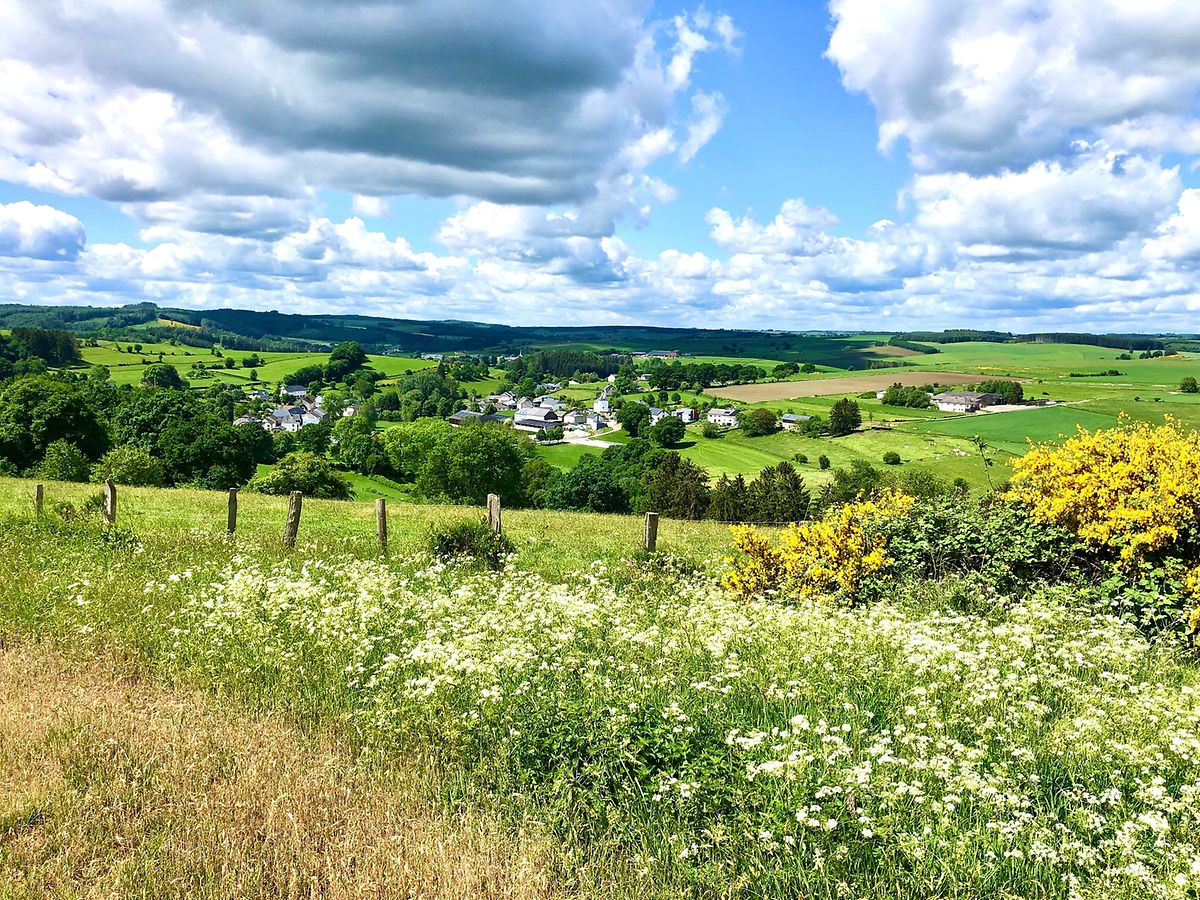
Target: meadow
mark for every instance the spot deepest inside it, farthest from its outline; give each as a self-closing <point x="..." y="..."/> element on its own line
<point x="197" y="714"/>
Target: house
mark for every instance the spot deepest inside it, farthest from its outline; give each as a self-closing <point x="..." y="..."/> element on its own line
<point x="879" y="395"/>
<point x="313" y="416"/>
<point x="525" y="403"/>
<point x="468" y="415"/>
<point x="575" y="417"/>
<point x="259" y="395"/>
<point x="686" y="414"/>
<point x="550" y="402"/>
<point x="965" y="401"/>
<point x="725" y="417"/>
<point x="351" y="410"/>
<point x="596" y="422"/>
<point x="293" y="390"/>
<point x="612" y="378"/>
<point x="550" y="387"/>
<point x="507" y="400"/>
<point x="793" y="421"/>
<point x="537" y="417"/>
<point x="282" y="419"/>
<point x="657" y="415"/>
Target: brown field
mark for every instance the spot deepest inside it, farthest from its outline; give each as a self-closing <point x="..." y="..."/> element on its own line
<point x="113" y="787"/>
<point x="846" y="384"/>
<point x="889" y="350"/>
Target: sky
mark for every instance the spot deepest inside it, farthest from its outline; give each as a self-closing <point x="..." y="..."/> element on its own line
<point x="1026" y="165"/>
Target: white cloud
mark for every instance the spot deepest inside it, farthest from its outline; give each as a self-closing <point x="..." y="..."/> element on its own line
<point x="708" y="112"/>
<point x="39" y="232"/>
<point x="371" y="207"/>
<point x="984" y="84"/>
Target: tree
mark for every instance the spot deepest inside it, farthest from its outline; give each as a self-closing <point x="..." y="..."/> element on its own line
<point x="679" y="488"/>
<point x="860" y="480"/>
<point x="538" y="479"/>
<point x="808" y="368"/>
<point x="308" y="473"/>
<point x="64" y="462"/>
<point x="729" y="501"/>
<point x="891" y="458"/>
<point x="1188" y="385"/>
<point x="36" y="411"/>
<point x="634" y="418"/>
<point x="844" y="417"/>
<point x="591" y="486"/>
<point x="759" y="421"/>
<point x="130" y="465"/>
<point x="476" y="460"/>
<point x="668" y="432"/>
<point x="778" y="494"/>
<point x="163" y="375"/>
<point x="345" y="359"/>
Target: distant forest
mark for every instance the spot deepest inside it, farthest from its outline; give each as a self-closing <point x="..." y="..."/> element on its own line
<point x="239" y="329"/>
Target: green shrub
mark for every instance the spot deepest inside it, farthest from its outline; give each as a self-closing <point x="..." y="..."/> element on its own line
<point x="710" y="430"/>
<point x="63" y="462"/>
<point x="470" y="540"/>
<point x="801" y="457"/>
<point x="130" y="465"/>
<point x="823" y="461"/>
<point x="891" y="458"/>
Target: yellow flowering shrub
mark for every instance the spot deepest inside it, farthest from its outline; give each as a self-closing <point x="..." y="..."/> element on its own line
<point x="1134" y="489"/>
<point x="1191" y="587"/>
<point x="833" y="556"/>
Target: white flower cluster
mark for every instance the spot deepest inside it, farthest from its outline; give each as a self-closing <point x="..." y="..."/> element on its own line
<point x="1046" y="750"/>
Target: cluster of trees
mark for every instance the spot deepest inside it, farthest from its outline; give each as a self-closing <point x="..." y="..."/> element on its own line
<point x="564" y="363"/>
<point x="674" y="375"/>
<point x="1011" y="391"/>
<point x="345" y="366"/>
<point x="908" y="397"/>
<point x="788" y="369"/>
<point x="80" y="427"/>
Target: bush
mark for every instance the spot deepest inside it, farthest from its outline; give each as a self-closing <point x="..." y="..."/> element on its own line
<point x="842" y="555"/>
<point x="891" y="458"/>
<point x="63" y="462"/>
<point x="130" y="465"/>
<point x="800" y="457"/>
<point x="710" y="430"/>
<point x="308" y="473"/>
<point x="823" y="461"/>
<point x="1188" y="385"/>
<point x="470" y="540"/>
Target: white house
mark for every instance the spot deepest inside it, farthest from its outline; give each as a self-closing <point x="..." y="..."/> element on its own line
<point x="525" y="403"/>
<point x="686" y="414"/>
<point x="282" y="419"/>
<point x="293" y="390"/>
<point x="612" y="378"/>
<point x="793" y="421"/>
<point x="727" y="418"/>
<point x="246" y="420"/>
<point x="596" y="422"/>
<point x="313" y="417"/>
<point x="549" y="402"/>
<point x="965" y="401"/>
<point x="575" y="417"/>
<point x="351" y="410"/>
<point x="657" y="415"/>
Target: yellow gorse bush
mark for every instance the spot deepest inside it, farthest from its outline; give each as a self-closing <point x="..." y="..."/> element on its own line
<point x="1134" y="489"/>
<point x="833" y="556"/>
<point x="1191" y="587"/>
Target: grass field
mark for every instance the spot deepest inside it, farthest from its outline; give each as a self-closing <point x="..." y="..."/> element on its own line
<point x="846" y="384"/>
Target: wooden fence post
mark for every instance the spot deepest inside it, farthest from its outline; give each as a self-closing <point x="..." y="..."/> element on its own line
<point x="295" y="501"/>
<point x="231" y="516"/>
<point x="494" y="512"/>
<point x="650" y="536"/>
<point x="110" y="503"/>
<point x="381" y="523"/>
<point x="39" y="499"/>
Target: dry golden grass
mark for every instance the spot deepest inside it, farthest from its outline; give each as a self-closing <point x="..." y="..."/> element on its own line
<point x="845" y="384"/>
<point x="114" y="787"/>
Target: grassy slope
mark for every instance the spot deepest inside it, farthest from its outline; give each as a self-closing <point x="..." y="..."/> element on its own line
<point x="549" y="542"/>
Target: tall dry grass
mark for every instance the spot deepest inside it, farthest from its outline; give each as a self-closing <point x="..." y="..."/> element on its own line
<point x="114" y="787"/>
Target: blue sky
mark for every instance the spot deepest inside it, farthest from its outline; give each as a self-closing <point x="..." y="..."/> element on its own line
<point x="864" y="163"/>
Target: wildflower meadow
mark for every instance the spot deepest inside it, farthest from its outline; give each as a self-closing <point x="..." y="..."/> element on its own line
<point x="765" y="719"/>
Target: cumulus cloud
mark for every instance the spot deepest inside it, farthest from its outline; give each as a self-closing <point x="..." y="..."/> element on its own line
<point x="525" y="102"/>
<point x="39" y="232"/>
<point x="981" y="85"/>
<point x="1049" y="208"/>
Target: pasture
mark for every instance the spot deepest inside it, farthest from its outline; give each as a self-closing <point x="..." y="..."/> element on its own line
<point x="842" y="384"/>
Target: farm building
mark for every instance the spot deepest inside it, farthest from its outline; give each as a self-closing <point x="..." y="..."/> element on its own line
<point x="965" y="401"/>
<point x="793" y="421"/>
<point x="536" y="417"/>
<point x="725" y="417"/>
<point x="467" y="415"/>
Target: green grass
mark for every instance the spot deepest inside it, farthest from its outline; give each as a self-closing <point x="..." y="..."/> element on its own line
<point x="1011" y="431"/>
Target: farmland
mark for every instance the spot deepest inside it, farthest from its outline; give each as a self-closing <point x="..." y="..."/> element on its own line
<point x="845" y="384"/>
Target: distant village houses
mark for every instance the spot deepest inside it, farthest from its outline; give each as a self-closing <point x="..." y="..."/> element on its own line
<point x="965" y="401"/>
